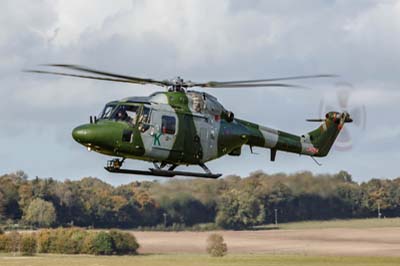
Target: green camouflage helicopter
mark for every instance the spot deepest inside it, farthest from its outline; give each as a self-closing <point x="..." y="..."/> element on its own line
<point x="186" y="127"/>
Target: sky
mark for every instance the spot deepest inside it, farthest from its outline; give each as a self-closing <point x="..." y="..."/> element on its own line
<point x="201" y="40"/>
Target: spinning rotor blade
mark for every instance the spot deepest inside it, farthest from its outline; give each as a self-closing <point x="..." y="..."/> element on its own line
<point x="359" y="116"/>
<point x="114" y="77"/>
<point x="274" y="79"/>
<point x="343" y="98"/>
<point x="103" y="75"/>
<point x="78" y="76"/>
<point x="344" y="141"/>
<point x="246" y="83"/>
<point x="233" y="85"/>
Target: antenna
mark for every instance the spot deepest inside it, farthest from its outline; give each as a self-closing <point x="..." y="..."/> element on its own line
<point x="315" y="160"/>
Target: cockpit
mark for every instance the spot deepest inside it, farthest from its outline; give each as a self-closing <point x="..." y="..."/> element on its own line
<point x="126" y="113"/>
<point x="131" y="113"/>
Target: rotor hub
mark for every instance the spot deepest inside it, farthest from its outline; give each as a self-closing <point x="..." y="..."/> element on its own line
<point x="177" y="81"/>
<point x="178" y="84"/>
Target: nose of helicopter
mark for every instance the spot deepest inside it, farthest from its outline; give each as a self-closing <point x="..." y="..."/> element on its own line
<point x="84" y="134"/>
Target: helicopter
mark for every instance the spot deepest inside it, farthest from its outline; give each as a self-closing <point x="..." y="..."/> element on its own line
<point x="182" y="127"/>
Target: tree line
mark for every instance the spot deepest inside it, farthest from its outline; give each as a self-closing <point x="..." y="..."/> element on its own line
<point x="231" y="202"/>
<point x="69" y="241"/>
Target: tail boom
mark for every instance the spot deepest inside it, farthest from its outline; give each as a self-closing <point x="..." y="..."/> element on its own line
<point x="315" y="143"/>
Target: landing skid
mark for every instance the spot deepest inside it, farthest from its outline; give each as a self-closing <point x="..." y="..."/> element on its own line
<point x="115" y="168"/>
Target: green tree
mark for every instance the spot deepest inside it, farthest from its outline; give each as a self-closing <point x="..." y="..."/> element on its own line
<point x="46" y="240"/>
<point x="344" y="176"/>
<point x="40" y="213"/>
<point x="238" y="209"/>
<point x="28" y="244"/>
<point x="216" y="246"/>
<point x="2" y="206"/>
<point x="123" y="243"/>
<point x="68" y="241"/>
<point x="102" y="244"/>
<point x="9" y="200"/>
<point x="13" y="241"/>
<point x="184" y="209"/>
<point x="25" y="195"/>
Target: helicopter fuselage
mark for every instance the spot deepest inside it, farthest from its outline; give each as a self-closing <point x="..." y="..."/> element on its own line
<point x="185" y="128"/>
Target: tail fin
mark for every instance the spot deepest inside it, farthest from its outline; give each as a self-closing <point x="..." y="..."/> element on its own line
<point x="323" y="137"/>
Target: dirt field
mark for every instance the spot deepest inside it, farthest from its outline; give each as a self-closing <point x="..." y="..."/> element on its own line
<point x="330" y="241"/>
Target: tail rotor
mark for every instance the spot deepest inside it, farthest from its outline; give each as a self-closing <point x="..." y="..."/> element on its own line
<point x="346" y="103"/>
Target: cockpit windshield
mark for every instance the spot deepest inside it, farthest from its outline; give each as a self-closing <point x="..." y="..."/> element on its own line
<point x="107" y="111"/>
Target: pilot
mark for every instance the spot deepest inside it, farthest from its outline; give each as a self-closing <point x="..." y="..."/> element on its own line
<point x="122" y="115"/>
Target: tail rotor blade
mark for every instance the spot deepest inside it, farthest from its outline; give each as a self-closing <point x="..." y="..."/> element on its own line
<point x="358" y="113"/>
<point x="343" y="98"/>
<point x="344" y="141"/>
<point x="343" y="94"/>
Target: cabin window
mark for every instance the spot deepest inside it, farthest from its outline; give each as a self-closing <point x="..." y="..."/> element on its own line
<point x="168" y="124"/>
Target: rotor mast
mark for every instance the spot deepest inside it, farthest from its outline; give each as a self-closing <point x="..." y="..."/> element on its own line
<point x="177" y="85"/>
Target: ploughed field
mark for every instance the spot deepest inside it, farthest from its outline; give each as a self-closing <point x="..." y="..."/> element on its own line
<point x="310" y="242"/>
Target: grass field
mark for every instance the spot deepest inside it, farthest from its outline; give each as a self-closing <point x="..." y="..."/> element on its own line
<point x="197" y="260"/>
<point x="353" y="223"/>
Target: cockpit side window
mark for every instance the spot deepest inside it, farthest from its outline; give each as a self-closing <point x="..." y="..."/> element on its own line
<point x="145" y="116"/>
<point x="126" y="113"/>
<point x="144" y="119"/>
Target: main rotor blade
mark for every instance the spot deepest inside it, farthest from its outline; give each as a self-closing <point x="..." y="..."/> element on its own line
<point x="80" y="76"/>
<point x="243" y="85"/>
<point x="266" y="80"/>
<point x="109" y="74"/>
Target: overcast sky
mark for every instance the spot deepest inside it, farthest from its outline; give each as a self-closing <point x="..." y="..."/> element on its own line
<point x="201" y="40"/>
